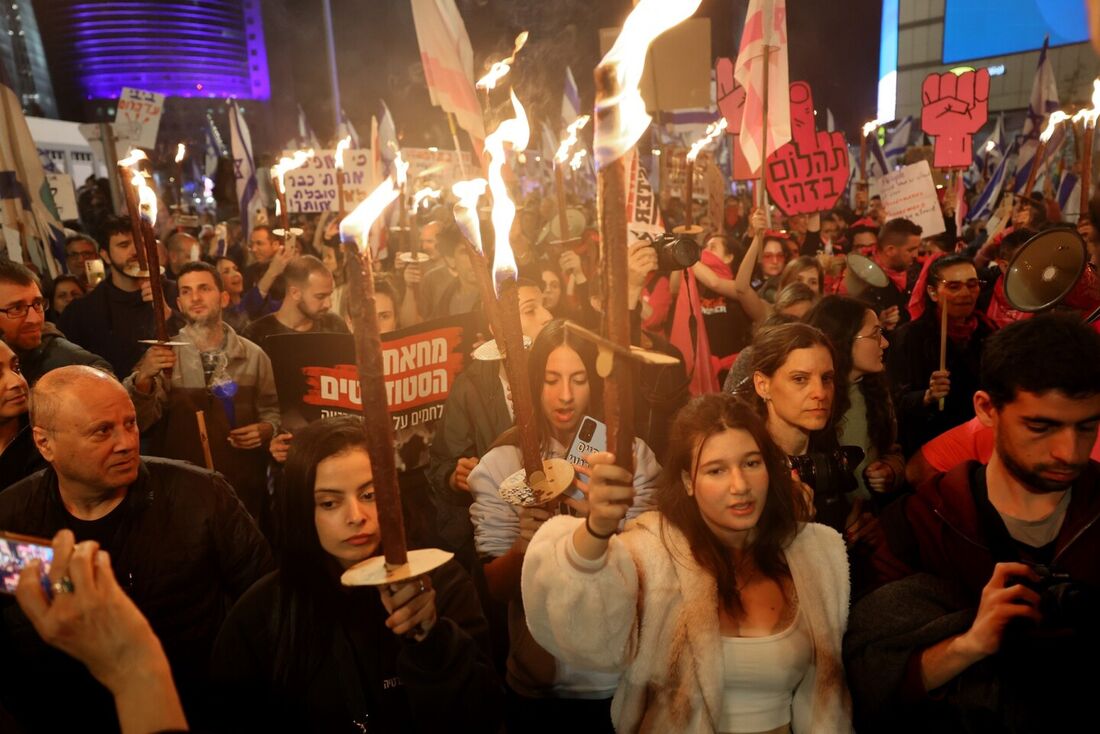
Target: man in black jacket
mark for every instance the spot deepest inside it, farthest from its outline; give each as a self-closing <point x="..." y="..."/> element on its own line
<point x="23" y="326"/>
<point x="112" y="320"/>
<point x="180" y="542"/>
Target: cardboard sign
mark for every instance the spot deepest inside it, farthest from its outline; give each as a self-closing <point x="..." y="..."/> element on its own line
<point x="137" y="120"/>
<point x="64" y="195"/>
<point x="439" y="168"/>
<point x="312" y="188"/>
<point x="316" y="377"/>
<point x="809" y="173"/>
<point x="955" y="107"/>
<point x="911" y="194"/>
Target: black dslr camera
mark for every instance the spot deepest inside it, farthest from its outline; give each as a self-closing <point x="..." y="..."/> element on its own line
<point x="832" y="474"/>
<point x="676" y="252"/>
<point x="1063" y="602"/>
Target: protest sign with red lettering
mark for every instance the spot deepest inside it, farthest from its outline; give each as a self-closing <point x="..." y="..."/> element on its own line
<point x="809" y="173"/>
<point x="955" y="107"/>
<point x="316" y="377"/>
<point x="643" y="217"/>
<point x="137" y="120"/>
<point x="910" y="193"/>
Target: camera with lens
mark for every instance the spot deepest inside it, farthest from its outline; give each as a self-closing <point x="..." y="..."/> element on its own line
<point x="832" y="474"/>
<point x="676" y="252"/>
<point x="1063" y="602"/>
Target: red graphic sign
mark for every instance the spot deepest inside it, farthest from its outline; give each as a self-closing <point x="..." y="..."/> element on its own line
<point x="955" y="107"/>
<point x="809" y="173"/>
<point x="731" y="103"/>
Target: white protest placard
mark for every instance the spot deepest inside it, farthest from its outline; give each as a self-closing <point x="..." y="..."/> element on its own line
<point x="11" y="244"/>
<point x="910" y="193"/>
<point x="312" y="188"/>
<point x="138" y="118"/>
<point x="64" y="195"/>
<point x="438" y="168"/>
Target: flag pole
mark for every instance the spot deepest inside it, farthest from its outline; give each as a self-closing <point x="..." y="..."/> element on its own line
<point x="764" y="143"/>
<point x="330" y="52"/>
<point x="454" y="137"/>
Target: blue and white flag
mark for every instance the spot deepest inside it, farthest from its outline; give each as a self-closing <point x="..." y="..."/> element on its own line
<point x="346" y="130"/>
<point x="1044" y="95"/>
<point x="990" y="153"/>
<point x="26" y="202"/>
<point x="244" y="171"/>
<point x="570" y="100"/>
<point x="897" y="140"/>
<point x="387" y="138"/>
<point x="877" y="163"/>
<point x="986" y="202"/>
<point x="1069" y="196"/>
<point x="1050" y="152"/>
<point x="306" y="136"/>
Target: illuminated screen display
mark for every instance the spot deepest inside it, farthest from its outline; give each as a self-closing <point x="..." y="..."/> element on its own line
<point x="977" y="29"/>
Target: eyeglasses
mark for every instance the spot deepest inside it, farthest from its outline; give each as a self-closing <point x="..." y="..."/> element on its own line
<point x="20" y="310"/>
<point x="954" y="286"/>
<point x="772" y="256"/>
<point x="876" y="334"/>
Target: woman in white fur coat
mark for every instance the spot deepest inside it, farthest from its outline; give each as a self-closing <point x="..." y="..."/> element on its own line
<point x="723" y="610"/>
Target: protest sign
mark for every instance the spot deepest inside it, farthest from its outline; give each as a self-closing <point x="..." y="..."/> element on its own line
<point x="64" y="195"/>
<point x="911" y="194"/>
<point x="316" y="377"/>
<point x="137" y="120"/>
<point x="643" y="217"/>
<point x="955" y="106"/>
<point x="809" y="173"/>
<point x="312" y="187"/>
<point x="439" y="168"/>
<point x="731" y="103"/>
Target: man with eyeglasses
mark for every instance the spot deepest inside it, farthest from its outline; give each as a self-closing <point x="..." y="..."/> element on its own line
<point x="114" y="318"/>
<point x="39" y="346"/>
<point x="80" y="249"/>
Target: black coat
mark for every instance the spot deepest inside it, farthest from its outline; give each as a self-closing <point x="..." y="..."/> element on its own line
<point x="182" y="546"/>
<point x="363" y="672"/>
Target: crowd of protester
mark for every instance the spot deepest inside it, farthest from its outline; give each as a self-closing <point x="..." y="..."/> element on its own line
<point x="847" y="535"/>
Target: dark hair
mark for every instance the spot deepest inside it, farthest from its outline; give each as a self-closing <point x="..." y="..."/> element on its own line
<point x="202" y="267"/>
<point x="17" y="274"/>
<point x="935" y="274"/>
<point x="1055" y="351"/>
<point x="111" y="226"/>
<point x="1037" y="204"/>
<point x="895" y="233"/>
<point x="266" y="228"/>
<point x="341" y="258"/>
<point x="299" y="269"/>
<point x="703" y="417"/>
<point x="770" y="349"/>
<point x="798" y="265"/>
<point x="78" y="237"/>
<point x="552" y="336"/>
<point x="51" y="288"/>
<point x="1013" y="241"/>
<point x="841" y="318"/>
<point x="448" y="238"/>
<point x="310" y="594"/>
<point x="384" y="285"/>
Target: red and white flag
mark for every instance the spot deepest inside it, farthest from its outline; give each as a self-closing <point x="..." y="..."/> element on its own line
<point x="448" y="62"/>
<point x="765" y="30"/>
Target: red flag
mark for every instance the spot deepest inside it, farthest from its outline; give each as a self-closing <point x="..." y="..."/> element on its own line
<point x="765" y="30"/>
<point x="689" y="335"/>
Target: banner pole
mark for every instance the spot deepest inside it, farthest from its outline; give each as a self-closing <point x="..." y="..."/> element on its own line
<point x="764" y="143"/>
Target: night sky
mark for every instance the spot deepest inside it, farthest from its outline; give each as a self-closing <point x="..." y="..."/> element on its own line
<point x="377" y="55"/>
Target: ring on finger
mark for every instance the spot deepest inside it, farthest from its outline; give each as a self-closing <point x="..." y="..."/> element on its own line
<point x="422" y="587"/>
<point x="64" y="585"/>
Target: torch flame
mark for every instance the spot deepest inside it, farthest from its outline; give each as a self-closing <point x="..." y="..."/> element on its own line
<point x="340" y="148"/>
<point x="501" y="68"/>
<point x="147" y="198"/>
<point x="1089" y="114"/>
<point x="713" y="131"/>
<point x="423" y="195"/>
<point x="578" y="159"/>
<point x="468" y="193"/>
<point x="285" y="164"/>
<point x="1056" y="118"/>
<point x="870" y="127"/>
<point x="990" y="146"/>
<point x="517" y="132"/>
<point x="135" y="155"/>
<point x="355" y="227"/>
<point x="570" y="138"/>
<point x="181" y="151"/>
<point x="617" y="133"/>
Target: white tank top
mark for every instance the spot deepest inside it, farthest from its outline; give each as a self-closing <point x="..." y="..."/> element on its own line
<point x="760" y="676"/>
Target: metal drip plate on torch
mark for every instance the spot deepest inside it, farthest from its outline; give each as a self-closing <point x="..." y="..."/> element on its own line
<point x="693" y="231"/>
<point x="139" y="273"/>
<point x="374" y="572"/>
<point x="294" y="231"/>
<point x="408" y="257"/>
<point x="490" y="352"/>
<point x="605" y="358"/>
<point x="157" y="343"/>
<point x="557" y="476"/>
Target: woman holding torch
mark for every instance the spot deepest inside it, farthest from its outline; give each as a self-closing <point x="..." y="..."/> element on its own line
<point x="545" y="693"/>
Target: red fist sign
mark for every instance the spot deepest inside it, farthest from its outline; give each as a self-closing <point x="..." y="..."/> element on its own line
<point x="809" y="173"/>
<point x="955" y="107"/>
<point x="731" y="103"/>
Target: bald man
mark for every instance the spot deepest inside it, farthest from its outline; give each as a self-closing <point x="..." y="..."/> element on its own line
<point x="181" y="544"/>
<point x="182" y="248"/>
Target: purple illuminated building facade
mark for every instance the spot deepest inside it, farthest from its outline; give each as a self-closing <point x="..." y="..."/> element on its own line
<point x="198" y="49"/>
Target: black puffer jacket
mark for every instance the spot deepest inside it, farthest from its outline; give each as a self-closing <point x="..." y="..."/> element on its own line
<point x="182" y="546"/>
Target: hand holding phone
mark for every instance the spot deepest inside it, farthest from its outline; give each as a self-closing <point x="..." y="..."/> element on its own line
<point x="591" y="437"/>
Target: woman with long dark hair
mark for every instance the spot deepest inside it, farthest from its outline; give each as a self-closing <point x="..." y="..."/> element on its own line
<point x="794" y="386"/>
<point x="724" y="610"/>
<point x="913" y="362"/>
<point x="301" y="652"/>
<point x="543" y="693"/>
<point x="865" y="411"/>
